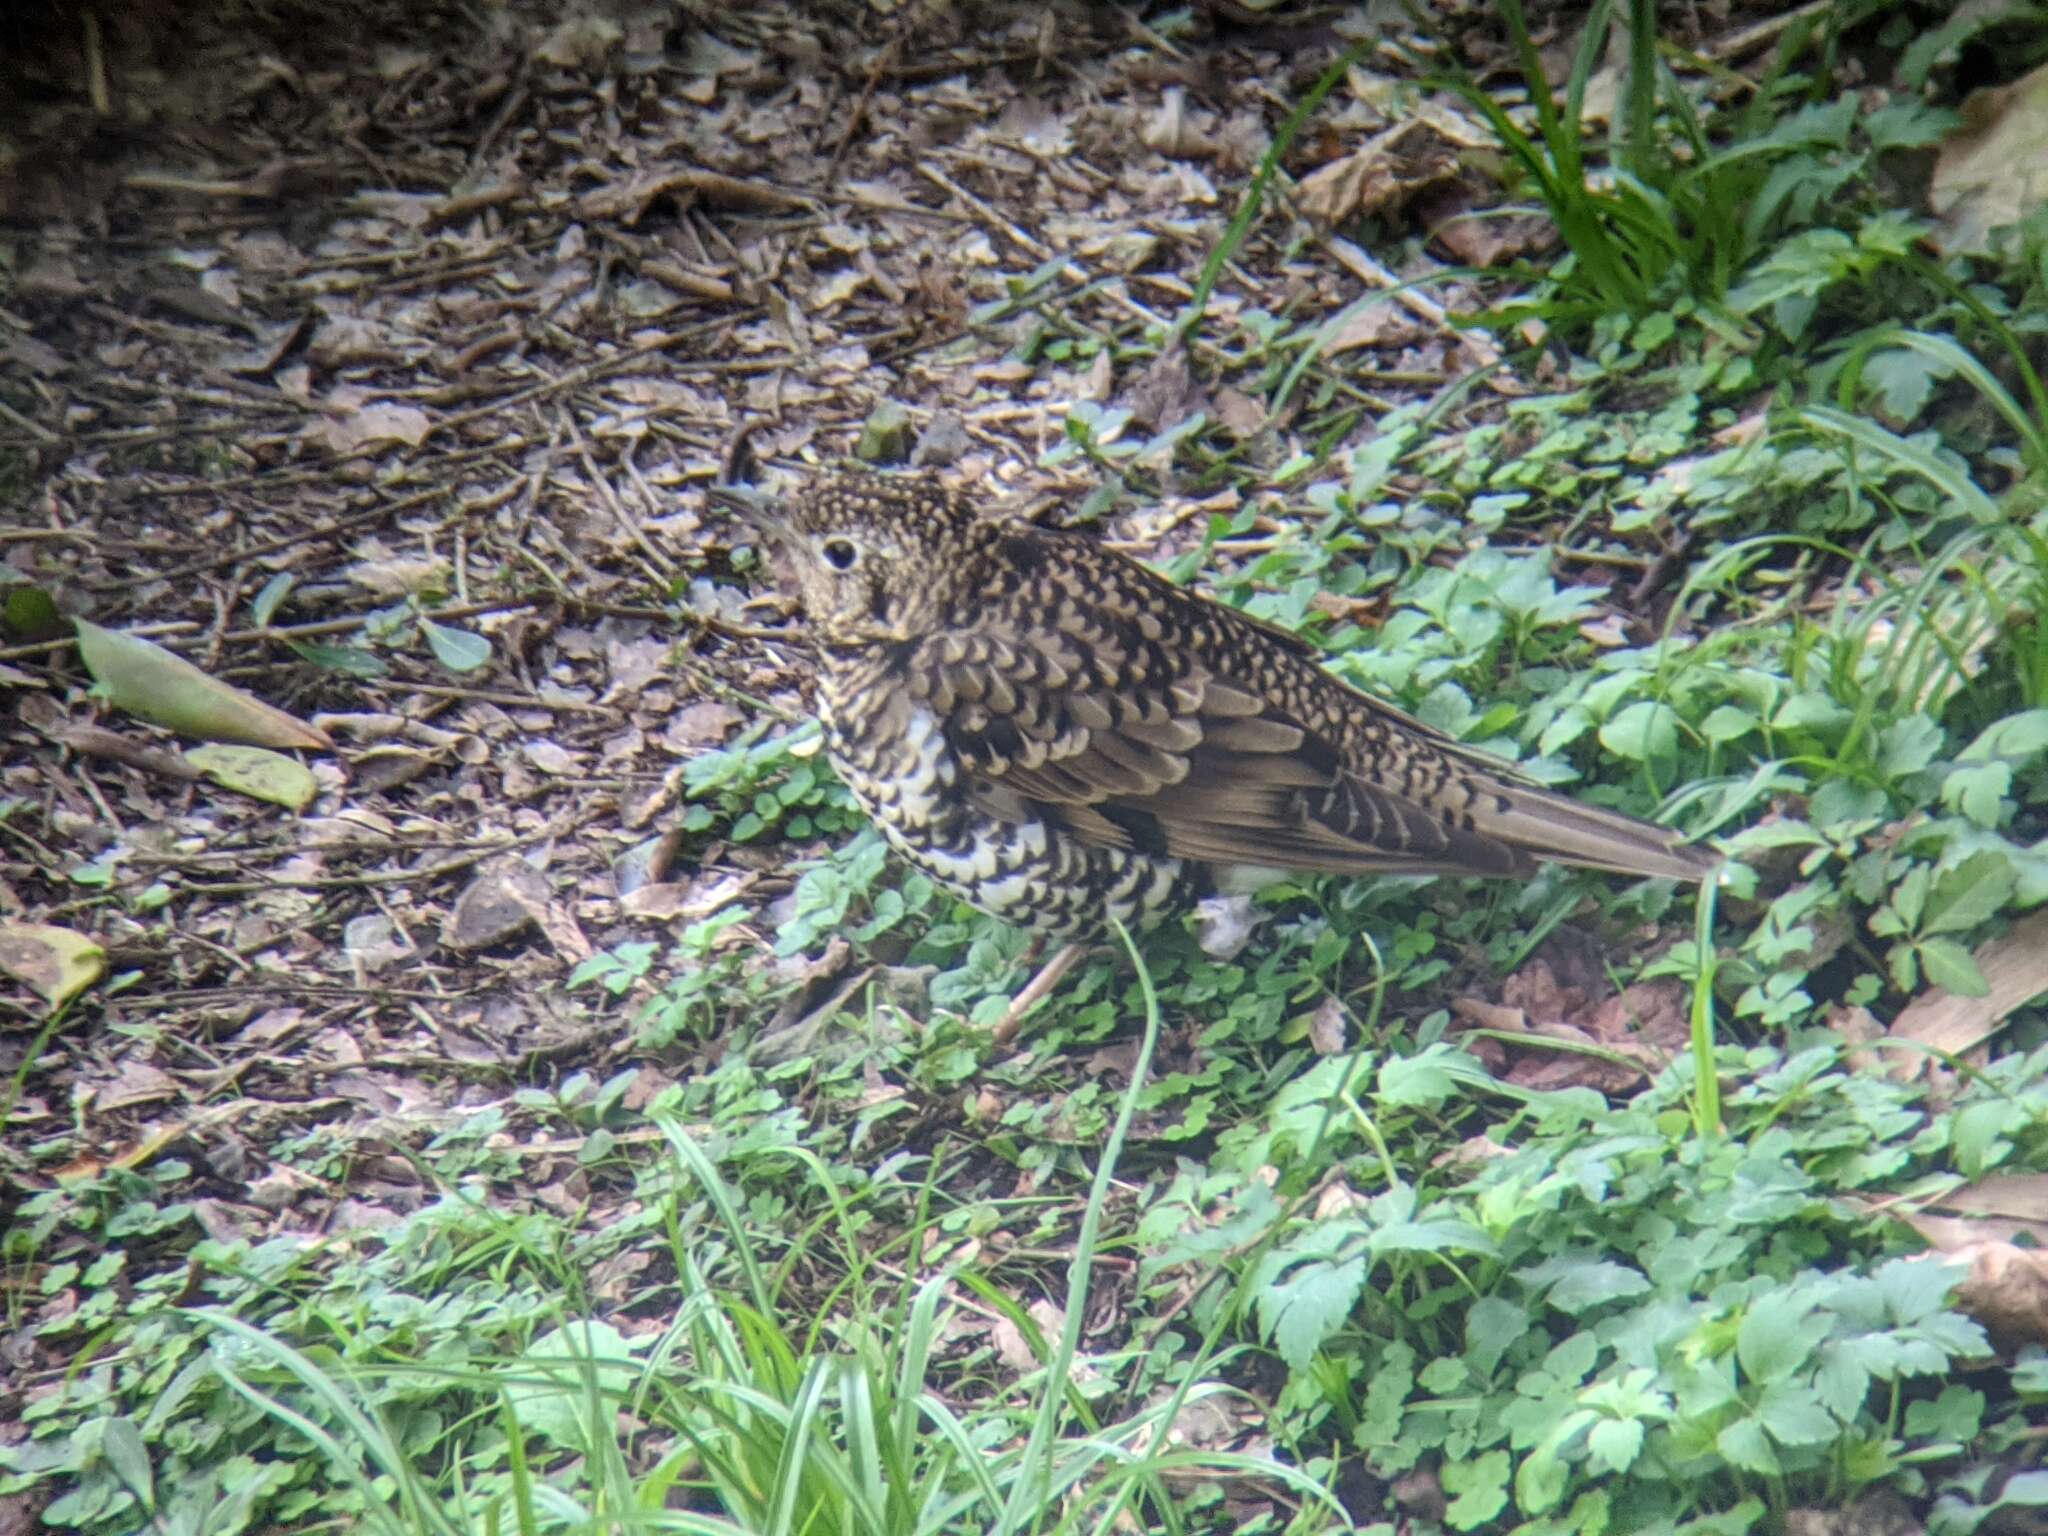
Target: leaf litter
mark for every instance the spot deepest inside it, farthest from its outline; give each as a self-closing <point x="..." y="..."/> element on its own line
<point x="433" y="338"/>
<point x="448" y="330"/>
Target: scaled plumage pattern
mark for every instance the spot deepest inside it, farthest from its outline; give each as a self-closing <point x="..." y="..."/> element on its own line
<point x="1059" y="735"/>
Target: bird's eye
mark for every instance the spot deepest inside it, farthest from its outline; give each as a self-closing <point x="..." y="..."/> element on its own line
<point x="840" y="554"/>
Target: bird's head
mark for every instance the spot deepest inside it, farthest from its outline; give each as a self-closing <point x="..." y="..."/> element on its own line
<point x="877" y="557"/>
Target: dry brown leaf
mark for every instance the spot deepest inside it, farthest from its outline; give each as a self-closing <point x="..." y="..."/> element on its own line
<point x="1473" y="232"/>
<point x="1337" y="1199"/>
<point x="686" y="900"/>
<point x="581" y="42"/>
<point x="1378" y="177"/>
<point x="352" y="827"/>
<point x="1175" y="131"/>
<point x="1100" y="379"/>
<point x="2007" y="1291"/>
<point x="1952" y="1234"/>
<point x="1327" y="1031"/>
<point x="373" y="942"/>
<point x="340" y="340"/>
<point x="1643" y="1026"/>
<point x="1236" y="412"/>
<point x="391" y="576"/>
<point x="628" y="198"/>
<point x="1607" y="632"/>
<point x="2022" y="1196"/>
<point x="2016" y="969"/>
<point x="1010" y="1345"/>
<point x="1656" y="1015"/>
<point x="1859" y="1028"/>
<point x="136" y="1153"/>
<point x="2002" y="1208"/>
<point x="1993" y="171"/>
<point x="704" y="723"/>
<point x="1117" y="1061"/>
<point x="551" y="757"/>
<point x="271" y="1026"/>
<point x="1377" y="323"/>
<point x="347" y="428"/>
<point x="507" y="897"/>
<point x="1498" y="1016"/>
<point x="564" y="934"/>
<point x="136" y="1082"/>
<point x="1224" y="925"/>
<point x="646" y="862"/>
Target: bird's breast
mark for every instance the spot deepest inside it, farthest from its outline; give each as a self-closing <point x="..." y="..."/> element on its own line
<point x="891" y="751"/>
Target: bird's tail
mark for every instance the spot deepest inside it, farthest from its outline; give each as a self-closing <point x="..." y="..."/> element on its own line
<point x="1544" y="825"/>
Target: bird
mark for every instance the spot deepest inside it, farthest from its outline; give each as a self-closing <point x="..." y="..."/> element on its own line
<point x="1061" y="736"/>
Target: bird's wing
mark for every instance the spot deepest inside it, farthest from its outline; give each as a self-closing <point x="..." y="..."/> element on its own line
<point x="1146" y="718"/>
<point x="1167" y="756"/>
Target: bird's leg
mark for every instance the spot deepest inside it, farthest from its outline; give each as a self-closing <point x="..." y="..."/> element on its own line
<point x="1035" y="989"/>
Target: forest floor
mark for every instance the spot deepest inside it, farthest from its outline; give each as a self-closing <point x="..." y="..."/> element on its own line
<point x="375" y="358"/>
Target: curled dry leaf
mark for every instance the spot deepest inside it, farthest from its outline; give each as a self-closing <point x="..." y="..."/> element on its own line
<point x="1339" y="1198"/>
<point x="646" y="862"/>
<point x="147" y="681"/>
<point x="564" y="934"/>
<point x="1495" y="1016"/>
<point x="1175" y="131"/>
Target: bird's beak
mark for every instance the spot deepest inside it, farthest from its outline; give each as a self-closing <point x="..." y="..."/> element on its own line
<point x="756" y="508"/>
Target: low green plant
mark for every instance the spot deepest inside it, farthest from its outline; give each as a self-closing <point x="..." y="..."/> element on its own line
<point x="457" y="649"/>
<point x="1602" y="1323"/>
<point x="457" y="1374"/>
<point x="1674" y="207"/>
<point x="766" y="781"/>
